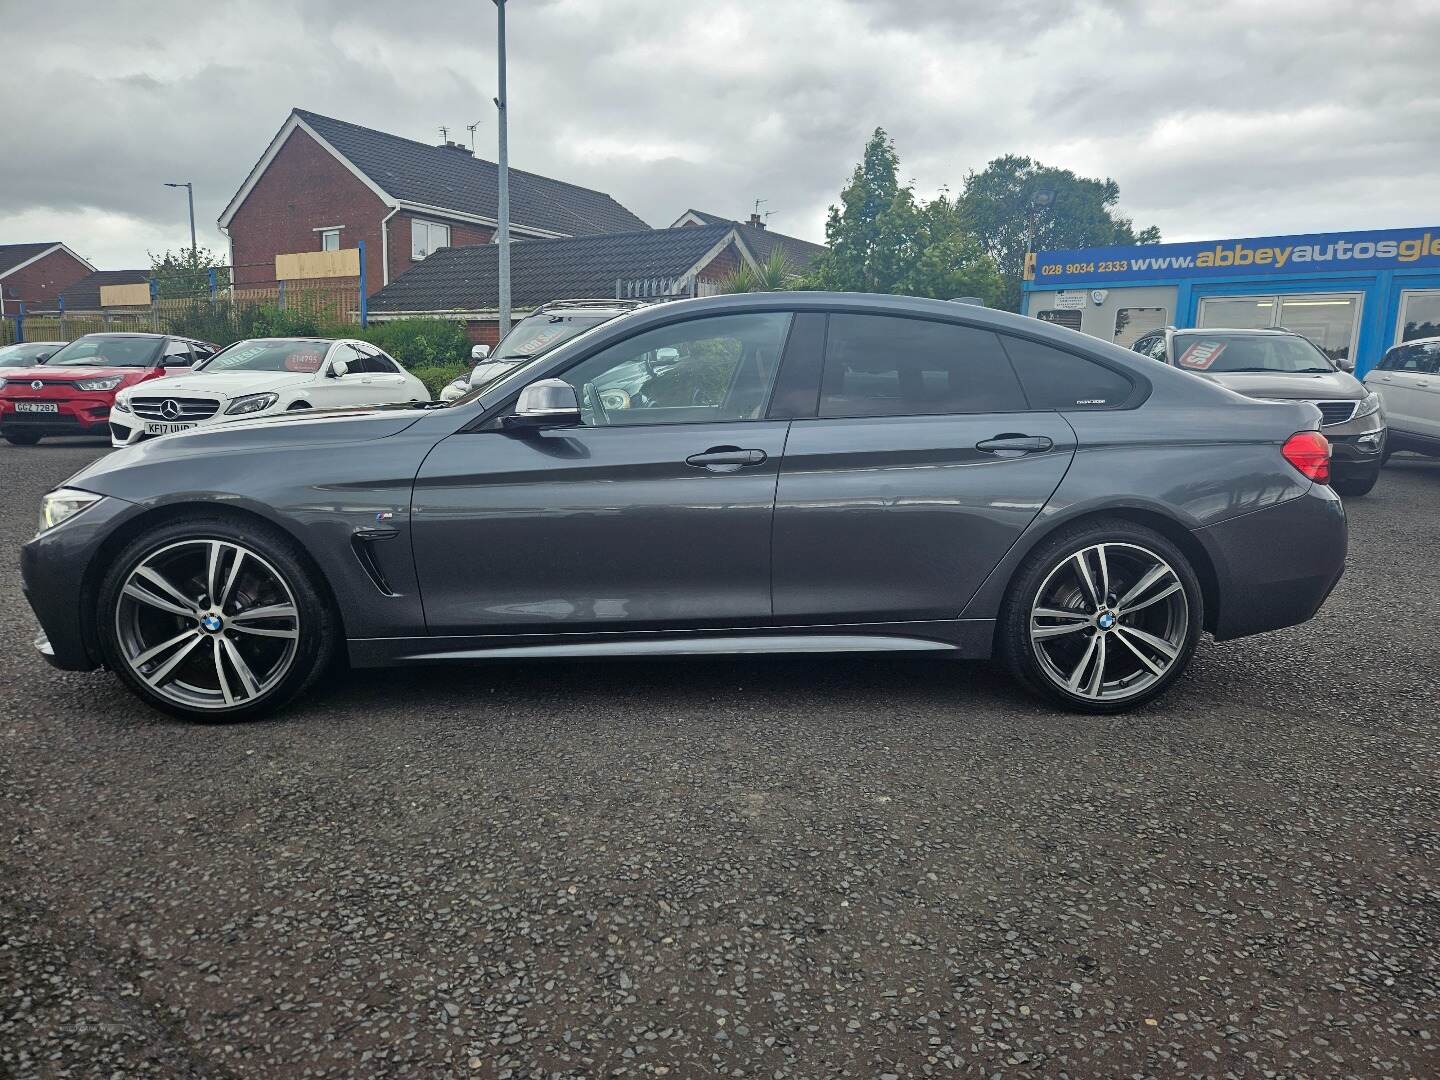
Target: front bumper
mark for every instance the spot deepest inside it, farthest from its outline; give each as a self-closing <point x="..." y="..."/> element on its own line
<point x="73" y="416"/>
<point x="58" y="581"/>
<point x="1276" y="567"/>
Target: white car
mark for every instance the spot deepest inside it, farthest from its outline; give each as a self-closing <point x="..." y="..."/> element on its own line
<point x="1408" y="381"/>
<point x="263" y="377"/>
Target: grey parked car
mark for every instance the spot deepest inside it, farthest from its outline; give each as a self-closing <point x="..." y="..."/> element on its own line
<point x="1278" y="364"/>
<point x="545" y="328"/>
<point x="783" y="473"/>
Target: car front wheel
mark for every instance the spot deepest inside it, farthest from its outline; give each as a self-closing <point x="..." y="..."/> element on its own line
<point x="23" y="438"/>
<point x="210" y="619"/>
<point x="1102" y="617"/>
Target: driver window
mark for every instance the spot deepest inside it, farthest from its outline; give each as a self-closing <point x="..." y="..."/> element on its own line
<point x="177" y="354"/>
<point x="702" y="371"/>
<point x="351" y="358"/>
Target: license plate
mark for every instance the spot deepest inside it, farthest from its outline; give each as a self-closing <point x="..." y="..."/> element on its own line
<point x="36" y="406"/>
<point x="166" y="429"/>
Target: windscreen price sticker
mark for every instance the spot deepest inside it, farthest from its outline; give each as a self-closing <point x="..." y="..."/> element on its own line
<point x="1201" y="355"/>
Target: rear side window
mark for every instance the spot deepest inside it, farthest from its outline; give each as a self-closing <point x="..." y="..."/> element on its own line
<point x="1424" y="359"/>
<point x="1060" y="380"/>
<point x="881" y="365"/>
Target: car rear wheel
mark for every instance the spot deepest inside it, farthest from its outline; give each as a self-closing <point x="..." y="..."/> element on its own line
<point x="211" y="620"/>
<point x="1102" y="617"/>
<point x="23" y="438"/>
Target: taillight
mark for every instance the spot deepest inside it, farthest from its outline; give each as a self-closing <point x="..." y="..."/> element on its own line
<point x="1309" y="451"/>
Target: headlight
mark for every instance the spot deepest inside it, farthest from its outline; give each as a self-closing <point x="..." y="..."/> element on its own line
<point x="1370" y="404"/>
<point x="251" y="403"/>
<point x="120" y="405"/>
<point x="99" y="384"/>
<point x="62" y="504"/>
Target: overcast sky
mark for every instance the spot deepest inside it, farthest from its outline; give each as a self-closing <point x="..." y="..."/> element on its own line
<point x="1216" y="119"/>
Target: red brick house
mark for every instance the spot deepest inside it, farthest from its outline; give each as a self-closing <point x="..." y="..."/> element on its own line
<point x="324" y="183"/>
<point x="36" y="274"/>
<point x="463" y="283"/>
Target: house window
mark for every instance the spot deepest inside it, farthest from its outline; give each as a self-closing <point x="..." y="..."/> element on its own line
<point x="427" y="237"/>
<point x="330" y="240"/>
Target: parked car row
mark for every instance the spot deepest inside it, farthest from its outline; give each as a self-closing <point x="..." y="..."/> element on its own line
<point x="134" y="386"/>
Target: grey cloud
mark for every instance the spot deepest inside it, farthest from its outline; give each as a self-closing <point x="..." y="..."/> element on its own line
<point x="1225" y="118"/>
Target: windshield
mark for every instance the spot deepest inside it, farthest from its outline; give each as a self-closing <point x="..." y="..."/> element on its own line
<point x="101" y="351"/>
<point x="299" y="355"/>
<point x="26" y="355"/>
<point x="1221" y="353"/>
<point x="540" y="333"/>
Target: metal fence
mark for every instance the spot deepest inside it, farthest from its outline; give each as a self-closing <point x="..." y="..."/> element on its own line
<point x="207" y="305"/>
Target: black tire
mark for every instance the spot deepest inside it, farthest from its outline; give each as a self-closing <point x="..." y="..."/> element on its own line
<point x="21" y="438"/>
<point x="319" y="633"/>
<point x="1352" y="487"/>
<point x="1020" y="653"/>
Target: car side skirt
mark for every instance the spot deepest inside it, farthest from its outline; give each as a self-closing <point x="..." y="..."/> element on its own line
<point x="959" y="638"/>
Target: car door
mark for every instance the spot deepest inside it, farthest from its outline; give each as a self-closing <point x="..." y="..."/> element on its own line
<point x="332" y="390"/>
<point x="654" y="511"/>
<point x="924" y="464"/>
<point x="383" y="377"/>
<point x="1401" y="379"/>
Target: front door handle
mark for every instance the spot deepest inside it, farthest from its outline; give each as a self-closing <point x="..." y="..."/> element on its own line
<point x="1012" y="445"/>
<point x="726" y="459"/>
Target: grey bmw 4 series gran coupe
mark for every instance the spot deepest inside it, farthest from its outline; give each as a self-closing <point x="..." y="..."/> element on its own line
<point x="765" y="473"/>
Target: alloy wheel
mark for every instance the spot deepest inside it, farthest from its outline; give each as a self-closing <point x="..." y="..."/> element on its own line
<point x="207" y="624"/>
<point x="1109" y="621"/>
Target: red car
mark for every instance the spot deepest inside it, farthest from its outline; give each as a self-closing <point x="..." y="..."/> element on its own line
<point x="71" y="393"/>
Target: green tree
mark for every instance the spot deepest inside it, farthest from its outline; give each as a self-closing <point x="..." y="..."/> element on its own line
<point x="883" y="239"/>
<point x="186" y="273"/>
<point x="1016" y="204"/>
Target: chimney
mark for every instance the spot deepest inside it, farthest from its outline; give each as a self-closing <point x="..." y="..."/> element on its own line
<point x="451" y="144"/>
<point x="755" y="221"/>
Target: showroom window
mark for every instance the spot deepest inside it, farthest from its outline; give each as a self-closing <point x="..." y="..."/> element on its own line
<point x="1131" y="323"/>
<point x="1419" y="315"/>
<point x="1331" y="321"/>
<point x="427" y="237"/>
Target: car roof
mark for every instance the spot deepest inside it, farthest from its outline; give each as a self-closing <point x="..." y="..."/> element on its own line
<point x="1416" y="341"/>
<point x="1277" y="331"/>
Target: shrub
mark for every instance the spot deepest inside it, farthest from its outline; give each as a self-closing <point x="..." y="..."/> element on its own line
<point x="418" y="343"/>
<point x="437" y="376"/>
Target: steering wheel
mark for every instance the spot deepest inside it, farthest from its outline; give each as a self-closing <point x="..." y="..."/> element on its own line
<point x="597" y="407"/>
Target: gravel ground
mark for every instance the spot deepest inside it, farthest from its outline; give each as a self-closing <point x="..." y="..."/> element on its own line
<point x="881" y="867"/>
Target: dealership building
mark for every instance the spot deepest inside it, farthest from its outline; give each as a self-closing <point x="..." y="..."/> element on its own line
<point x="1355" y="294"/>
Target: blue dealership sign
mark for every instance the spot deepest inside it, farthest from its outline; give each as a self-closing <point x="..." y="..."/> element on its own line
<point x="1309" y="253"/>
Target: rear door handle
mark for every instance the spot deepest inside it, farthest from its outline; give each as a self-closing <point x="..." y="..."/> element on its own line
<point x="1009" y="445"/>
<point x="726" y="458"/>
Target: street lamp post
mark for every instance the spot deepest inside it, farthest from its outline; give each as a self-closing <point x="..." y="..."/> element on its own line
<point x="502" y="237"/>
<point x="190" y="196"/>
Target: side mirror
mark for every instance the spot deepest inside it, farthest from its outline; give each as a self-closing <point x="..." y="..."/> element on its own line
<point x="1344" y="363"/>
<point x="479" y="352"/>
<point x="549" y="403"/>
<point x="42" y="357"/>
<point x="339" y="369"/>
